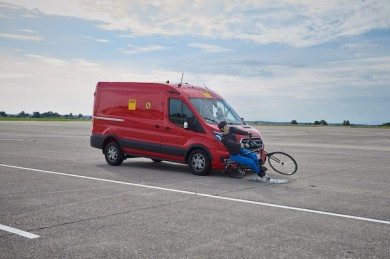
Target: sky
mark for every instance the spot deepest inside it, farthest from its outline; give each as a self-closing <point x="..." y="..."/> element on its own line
<point x="272" y="60"/>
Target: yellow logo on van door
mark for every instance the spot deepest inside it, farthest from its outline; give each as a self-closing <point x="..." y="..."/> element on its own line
<point x="132" y="104"/>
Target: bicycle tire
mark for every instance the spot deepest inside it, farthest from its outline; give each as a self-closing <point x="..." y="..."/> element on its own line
<point x="282" y="163"/>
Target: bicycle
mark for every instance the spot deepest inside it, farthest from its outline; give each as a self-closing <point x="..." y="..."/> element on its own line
<point x="279" y="161"/>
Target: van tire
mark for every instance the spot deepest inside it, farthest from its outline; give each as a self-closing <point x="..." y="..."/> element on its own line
<point x="199" y="162"/>
<point x="113" y="154"/>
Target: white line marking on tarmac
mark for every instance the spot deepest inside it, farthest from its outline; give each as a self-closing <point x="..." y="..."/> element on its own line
<point x="204" y="195"/>
<point x="18" y="232"/>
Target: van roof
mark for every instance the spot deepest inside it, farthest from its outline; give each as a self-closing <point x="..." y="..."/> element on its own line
<point x="190" y="91"/>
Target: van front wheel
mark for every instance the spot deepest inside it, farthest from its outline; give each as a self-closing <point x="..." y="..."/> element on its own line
<point x="199" y="162"/>
<point x="113" y="154"/>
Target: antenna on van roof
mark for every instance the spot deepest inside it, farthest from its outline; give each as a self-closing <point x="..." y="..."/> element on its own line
<point x="201" y="81"/>
<point x="181" y="82"/>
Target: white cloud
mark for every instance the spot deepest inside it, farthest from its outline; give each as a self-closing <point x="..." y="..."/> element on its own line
<point x="102" y="40"/>
<point x="30" y="16"/>
<point x="209" y="48"/>
<point x="97" y="40"/>
<point x="28" y="30"/>
<point x="9" y="6"/>
<point x="43" y="83"/>
<point x="20" y="37"/>
<point x="81" y="64"/>
<point x="357" y="78"/>
<point x="356" y="90"/>
<point x="14" y="75"/>
<point x="138" y="50"/>
<point x="60" y="84"/>
<point x="48" y="60"/>
<point x="294" y="22"/>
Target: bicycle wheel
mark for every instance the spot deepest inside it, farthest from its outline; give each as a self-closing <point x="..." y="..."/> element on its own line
<point x="282" y="163"/>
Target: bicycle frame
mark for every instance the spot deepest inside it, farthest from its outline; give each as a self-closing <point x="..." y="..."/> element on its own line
<point x="257" y="149"/>
<point x="279" y="161"/>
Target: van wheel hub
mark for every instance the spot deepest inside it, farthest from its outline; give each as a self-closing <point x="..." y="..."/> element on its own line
<point x="112" y="154"/>
<point x="198" y="162"/>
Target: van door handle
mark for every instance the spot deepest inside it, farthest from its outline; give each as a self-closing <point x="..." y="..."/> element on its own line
<point x="157" y="126"/>
<point x="167" y="128"/>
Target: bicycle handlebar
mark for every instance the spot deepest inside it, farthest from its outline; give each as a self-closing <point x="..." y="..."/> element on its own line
<point x="256" y="148"/>
<point x="252" y="143"/>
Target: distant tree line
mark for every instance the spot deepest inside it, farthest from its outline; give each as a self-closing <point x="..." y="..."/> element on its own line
<point x="323" y="122"/>
<point x="49" y="114"/>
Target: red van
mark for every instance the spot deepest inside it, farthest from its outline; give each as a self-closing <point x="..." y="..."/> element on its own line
<point x="171" y="122"/>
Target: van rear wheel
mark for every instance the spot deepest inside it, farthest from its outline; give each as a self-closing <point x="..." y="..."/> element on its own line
<point x="199" y="162"/>
<point x="113" y="153"/>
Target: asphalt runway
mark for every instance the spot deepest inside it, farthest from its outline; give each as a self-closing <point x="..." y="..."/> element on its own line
<point x="59" y="198"/>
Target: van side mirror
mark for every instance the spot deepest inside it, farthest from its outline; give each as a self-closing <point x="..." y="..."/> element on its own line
<point x="189" y="123"/>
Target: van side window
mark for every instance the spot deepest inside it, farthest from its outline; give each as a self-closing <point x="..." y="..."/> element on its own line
<point x="178" y="111"/>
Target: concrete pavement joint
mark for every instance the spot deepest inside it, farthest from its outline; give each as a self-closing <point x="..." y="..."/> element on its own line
<point x="115" y="214"/>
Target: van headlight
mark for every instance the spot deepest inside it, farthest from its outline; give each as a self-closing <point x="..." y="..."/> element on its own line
<point x="218" y="136"/>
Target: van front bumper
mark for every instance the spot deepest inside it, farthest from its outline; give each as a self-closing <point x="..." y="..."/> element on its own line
<point x="218" y="162"/>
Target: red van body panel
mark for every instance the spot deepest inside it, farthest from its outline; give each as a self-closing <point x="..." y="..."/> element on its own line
<point x="142" y="119"/>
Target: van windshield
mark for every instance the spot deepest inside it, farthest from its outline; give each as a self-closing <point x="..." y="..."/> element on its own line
<point x="214" y="111"/>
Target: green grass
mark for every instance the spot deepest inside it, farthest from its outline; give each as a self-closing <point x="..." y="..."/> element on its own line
<point x="312" y="125"/>
<point x="39" y="119"/>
